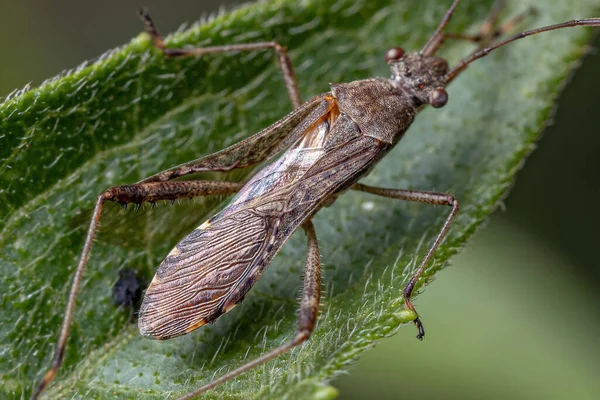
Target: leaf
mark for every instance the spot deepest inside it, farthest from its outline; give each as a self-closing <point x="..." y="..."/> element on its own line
<point x="132" y="113"/>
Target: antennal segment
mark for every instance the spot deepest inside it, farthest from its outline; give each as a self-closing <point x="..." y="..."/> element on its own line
<point x="433" y="43"/>
<point x="464" y="63"/>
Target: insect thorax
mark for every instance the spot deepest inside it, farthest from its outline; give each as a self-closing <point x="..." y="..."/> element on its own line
<point x="380" y="108"/>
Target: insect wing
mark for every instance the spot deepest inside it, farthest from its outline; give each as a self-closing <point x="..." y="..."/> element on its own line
<point x="195" y="283"/>
<point x="212" y="269"/>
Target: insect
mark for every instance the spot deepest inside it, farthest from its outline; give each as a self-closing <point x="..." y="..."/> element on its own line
<point x="326" y="144"/>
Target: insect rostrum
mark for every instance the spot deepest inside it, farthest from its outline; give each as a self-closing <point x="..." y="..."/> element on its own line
<point x="333" y="140"/>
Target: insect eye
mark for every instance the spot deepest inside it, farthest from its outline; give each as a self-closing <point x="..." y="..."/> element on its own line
<point x="394" y="54"/>
<point x="438" y="97"/>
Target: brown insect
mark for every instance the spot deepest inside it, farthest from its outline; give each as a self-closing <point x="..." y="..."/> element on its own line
<point x="328" y="144"/>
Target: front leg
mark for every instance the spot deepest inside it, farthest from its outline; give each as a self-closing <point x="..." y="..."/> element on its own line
<point x="420" y="197"/>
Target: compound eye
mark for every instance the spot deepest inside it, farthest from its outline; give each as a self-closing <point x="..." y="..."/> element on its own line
<point x="438" y="97"/>
<point x="394" y="54"/>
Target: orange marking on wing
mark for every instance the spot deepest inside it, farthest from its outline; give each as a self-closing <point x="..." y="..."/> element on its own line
<point x="195" y="326"/>
<point x="229" y="307"/>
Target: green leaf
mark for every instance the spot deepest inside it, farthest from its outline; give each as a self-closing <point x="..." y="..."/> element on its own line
<point x="132" y="113"/>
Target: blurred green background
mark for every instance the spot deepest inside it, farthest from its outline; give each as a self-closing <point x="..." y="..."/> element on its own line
<point x="517" y="314"/>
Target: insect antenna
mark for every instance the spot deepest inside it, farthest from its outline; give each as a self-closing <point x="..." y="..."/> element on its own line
<point x="477" y="54"/>
<point x="434" y="42"/>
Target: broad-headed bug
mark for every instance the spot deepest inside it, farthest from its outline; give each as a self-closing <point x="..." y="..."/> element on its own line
<point x="327" y="144"/>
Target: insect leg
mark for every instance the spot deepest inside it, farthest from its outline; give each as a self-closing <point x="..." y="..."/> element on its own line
<point x="152" y="192"/>
<point x="284" y="60"/>
<point x="488" y="32"/>
<point x="309" y="308"/>
<point x="137" y="193"/>
<point x="421" y="197"/>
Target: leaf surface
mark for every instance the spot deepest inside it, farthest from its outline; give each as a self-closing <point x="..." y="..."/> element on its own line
<point x="131" y="113"/>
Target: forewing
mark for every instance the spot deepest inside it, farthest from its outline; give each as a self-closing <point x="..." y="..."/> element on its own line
<point x="195" y="283"/>
<point x="212" y="269"/>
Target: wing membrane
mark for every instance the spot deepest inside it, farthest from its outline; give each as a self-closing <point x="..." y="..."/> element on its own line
<point x="196" y="278"/>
